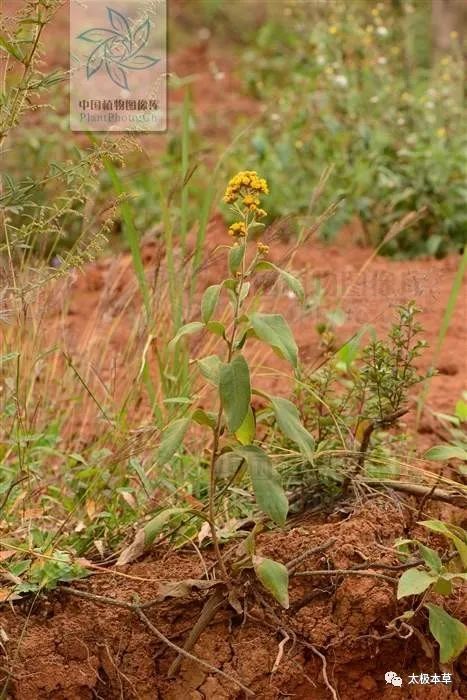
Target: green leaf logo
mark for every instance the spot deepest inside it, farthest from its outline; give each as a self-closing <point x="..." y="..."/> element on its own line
<point x="118" y="48"/>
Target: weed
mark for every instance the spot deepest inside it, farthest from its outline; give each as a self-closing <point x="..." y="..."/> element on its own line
<point x="438" y="577"/>
<point x="354" y="399"/>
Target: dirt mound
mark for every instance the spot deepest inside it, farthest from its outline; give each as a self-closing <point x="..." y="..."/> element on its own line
<point x="63" y="647"/>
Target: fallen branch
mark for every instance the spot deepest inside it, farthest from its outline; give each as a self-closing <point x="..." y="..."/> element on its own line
<point x="342" y="572"/>
<point x="138" y="609"/>
<point x="456" y="498"/>
<point x="293" y="563"/>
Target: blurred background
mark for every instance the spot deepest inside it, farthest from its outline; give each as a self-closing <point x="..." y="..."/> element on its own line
<point x="363" y="99"/>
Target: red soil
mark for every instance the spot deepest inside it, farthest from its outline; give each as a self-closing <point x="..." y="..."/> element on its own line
<point x="74" y="649"/>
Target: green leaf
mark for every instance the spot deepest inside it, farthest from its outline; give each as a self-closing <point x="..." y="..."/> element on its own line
<point x="146" y="535"/>
<point x="209" y="302"/>
<point x="445" y="452"/>
<point x="235" y="391"/>
<point x="430" y="557"/>
<point x="235" y="258"/>
<point x="187" y="329"/>
<point x="461" y="410"/>
<point x="413" y="581"/>
<point x="456" y="535"/>
<point x="274" y="577"/>
<point x="450" y="633"/>
<point x="210" y="368"/>
<point x="270" y="495"/>
<point x="205" y="418"/>
<point x="216" y="327"/>
<point x="443" y="586"/>
<point x="273" y="330"/>
<point x="246" y="432"/>
<point x="227" y="464"/>
<point x="288" y="420"/>
<point x="12" y="50"/>
<point x="292" y="282"/>
<point x="172" y="438"/>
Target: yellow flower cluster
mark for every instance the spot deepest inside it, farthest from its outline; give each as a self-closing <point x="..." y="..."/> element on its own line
<point x="263" y="249"/>
<point x="238" y="229"/>
<point x="245" y="183"/>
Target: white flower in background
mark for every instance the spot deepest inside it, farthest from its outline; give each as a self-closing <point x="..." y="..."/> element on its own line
<point x="382" y="31"/>
<point x="341" y="80"/>
<point x="204" y="34"/>
<point x="382" y="60"/>
<point x="374" y="99"/>
<point x="320" y="60"/>
<point x="430" y="104"/>
<point x="401" y="121"/>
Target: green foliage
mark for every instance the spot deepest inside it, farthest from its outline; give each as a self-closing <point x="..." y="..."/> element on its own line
<point x="269" y="493"/>
<point x="439" y="577"/>
<point x="455" y="447"/>
<point x="346" y="87"/>
<point x="235" y="391"/>
<point x="171" y="440"/>
<point x="347" y="405"/>
<point x="46" y="572"/>
<point x="273" y="330"/>
<point x="274" y="577"/>
<point x="450" y="633"/>
<point x="289" y="422"/>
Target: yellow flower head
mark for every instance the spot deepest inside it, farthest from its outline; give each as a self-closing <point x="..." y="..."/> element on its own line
<point x="263" y="249"/>
<point x="246" y="184"/>
<point x="238" y="229"/>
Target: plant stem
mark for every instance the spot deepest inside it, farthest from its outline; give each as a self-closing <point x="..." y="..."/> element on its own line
<point x="217" y="429"/>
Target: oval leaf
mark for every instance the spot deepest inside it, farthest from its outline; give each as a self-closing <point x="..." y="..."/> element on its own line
<point x="187" y="329"/>
<point x="205" y="418"/>
<point x="444" y="452"/>
<point x="228" y="464"/>
<point x="235" y="258"/>
<point x="246" y="432"/>
<point x="288" y="420"/>
<point x="273" y="330"/>
<point x="413" y="582"/>
<point x="274" y="577"/>
<point x="146" y="536"/>
<point x="172" y="438"/>
<point x="450" y="633"/>
<point x="292" y="282"/>
<point x="430" y="557"/>
<point x="270" y="495"/>
<point x="456" y="535"/>
<point x="210" y="368"/>
<point x="235" y="391"/>
<point x="209" y="302"/>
